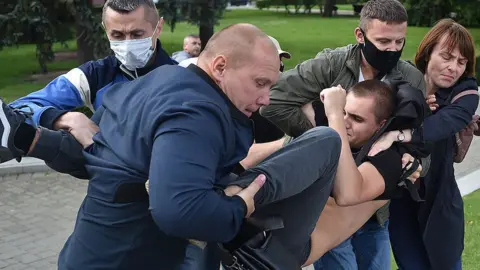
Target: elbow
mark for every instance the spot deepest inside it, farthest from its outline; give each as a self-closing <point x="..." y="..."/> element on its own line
<point x="169" y="221"/>
<point x="248" y="163"/>
<point x="344" y="200"/>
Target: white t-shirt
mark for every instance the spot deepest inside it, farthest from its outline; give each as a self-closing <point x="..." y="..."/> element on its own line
<point x="361" y="79"/>
<point x="187" y="62"/>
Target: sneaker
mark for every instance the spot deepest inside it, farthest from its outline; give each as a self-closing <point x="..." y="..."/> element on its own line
<point x="10" y="121"/>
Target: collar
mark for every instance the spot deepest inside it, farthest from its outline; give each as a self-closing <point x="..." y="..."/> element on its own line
<point x="236" y="113"/>
<point x="160" y="58"/>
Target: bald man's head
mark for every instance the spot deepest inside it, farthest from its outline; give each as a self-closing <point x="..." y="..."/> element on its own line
<point x="236" y="42"/>
<point x="244" y="62"/>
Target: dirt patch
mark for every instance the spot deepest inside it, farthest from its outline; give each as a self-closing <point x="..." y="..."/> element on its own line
<point x="64" y="56"/>
<point x="46" y="77"/>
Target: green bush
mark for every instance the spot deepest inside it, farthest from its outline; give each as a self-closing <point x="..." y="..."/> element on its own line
<point x="263" y="4"/>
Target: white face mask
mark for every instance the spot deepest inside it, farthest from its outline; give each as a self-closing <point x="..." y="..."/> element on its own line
<point x="134" y="53"/>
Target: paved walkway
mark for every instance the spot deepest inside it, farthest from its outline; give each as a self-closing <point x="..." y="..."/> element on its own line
<point x="37" y="213"/>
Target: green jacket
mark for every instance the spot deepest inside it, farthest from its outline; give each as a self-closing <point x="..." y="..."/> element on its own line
<point x="303" y="84"/>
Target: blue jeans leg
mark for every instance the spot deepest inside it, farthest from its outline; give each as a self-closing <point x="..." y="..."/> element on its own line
<point x="372" y="246"/>
<point x="197" y="258"/>
<point x="340" y="257"/>
<point x="194" y="257"/>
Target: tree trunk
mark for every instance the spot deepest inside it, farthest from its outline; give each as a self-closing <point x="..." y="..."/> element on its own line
<point x="206" y="29"/>
<point x="205" y="33"/>
<point x="328" y="9"/>
<point x="85" y="51"/>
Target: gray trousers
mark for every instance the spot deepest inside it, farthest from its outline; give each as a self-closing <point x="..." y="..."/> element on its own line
<point x="299" y="181"/>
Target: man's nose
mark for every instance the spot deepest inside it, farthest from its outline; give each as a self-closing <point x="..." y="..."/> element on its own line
<point x="347" y="122"/>
<point x="264" y="100"/>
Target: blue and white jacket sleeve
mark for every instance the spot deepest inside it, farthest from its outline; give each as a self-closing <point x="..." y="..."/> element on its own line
<point x="187" y="151"/>
<point x="77" y="88"/>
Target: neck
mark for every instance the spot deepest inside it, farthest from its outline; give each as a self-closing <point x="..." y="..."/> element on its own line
<point x="152" y="58"/>
<point x="430" y="86"/>
<point x="201" y="63"/>
<point x="368" y="71"/>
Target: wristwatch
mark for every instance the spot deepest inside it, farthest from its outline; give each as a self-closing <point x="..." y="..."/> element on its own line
<point x="400" y="136"/>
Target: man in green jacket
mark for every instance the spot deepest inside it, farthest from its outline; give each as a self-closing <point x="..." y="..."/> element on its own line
<point x="380" y="40"/>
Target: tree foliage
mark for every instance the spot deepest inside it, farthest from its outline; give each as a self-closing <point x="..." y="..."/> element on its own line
<point x="45" y="22"/>
<point x="427" y="12"/>
<point x="203" y="13"/>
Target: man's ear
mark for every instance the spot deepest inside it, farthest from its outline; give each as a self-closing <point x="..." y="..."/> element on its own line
<point x="159" y="27"/>
<point x="219" y="64"/>
<point x="359" y="35"/>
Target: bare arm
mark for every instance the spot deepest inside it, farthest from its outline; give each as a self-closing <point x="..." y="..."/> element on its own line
<point x="260" y="151"/>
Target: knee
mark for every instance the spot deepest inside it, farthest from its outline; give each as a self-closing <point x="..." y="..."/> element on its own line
<point x="327" y="138"/>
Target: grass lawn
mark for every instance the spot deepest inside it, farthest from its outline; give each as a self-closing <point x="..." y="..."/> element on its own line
<point x="302" y="35"/>
<point x="345" y="7"/>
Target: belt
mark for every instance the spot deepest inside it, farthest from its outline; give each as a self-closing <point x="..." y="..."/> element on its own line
<point x="131" y="192"/>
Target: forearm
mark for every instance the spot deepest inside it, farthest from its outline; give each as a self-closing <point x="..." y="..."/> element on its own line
<point x="61" y="94"/>
<point x="61" y="152"/>
<point x="260" y="151"/>
<point x="216" y="218"/>
<point x="288" y="117"/>
<point x="348" y="183"/>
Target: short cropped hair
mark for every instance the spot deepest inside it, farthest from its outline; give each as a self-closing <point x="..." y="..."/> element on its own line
<point x="127" y="6"/>
<point x="383" y="94"/>
<point x="389" y="11"/>
<point x="193" y="36"/>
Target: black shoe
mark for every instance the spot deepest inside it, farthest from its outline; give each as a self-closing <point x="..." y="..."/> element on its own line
<point x="10" y="122"/>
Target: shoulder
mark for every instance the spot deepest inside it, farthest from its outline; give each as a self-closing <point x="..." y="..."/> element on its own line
<point x="409" y="71"/>
<point x="109" y="62"/>
<point x="329" y="59"/>
<point x="340" y="54"/>
<point x="100" y="72"/>
<point x="387" y="162"/>
<point x="465" y="83"/>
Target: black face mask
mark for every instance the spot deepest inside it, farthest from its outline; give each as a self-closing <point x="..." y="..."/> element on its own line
<point x="383" y="61"/>
<point x="282" y="66"/>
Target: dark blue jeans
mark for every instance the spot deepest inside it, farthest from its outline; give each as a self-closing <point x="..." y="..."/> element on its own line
<point x="367" y="249"/>
<point x="197" y="258"/>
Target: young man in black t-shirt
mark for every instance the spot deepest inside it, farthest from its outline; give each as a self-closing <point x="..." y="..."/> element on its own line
<point x="357" y="116"/>
<point x="367" y="106"/>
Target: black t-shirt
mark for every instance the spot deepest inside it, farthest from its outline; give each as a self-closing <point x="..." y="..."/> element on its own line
<point x="389" y="165"/>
